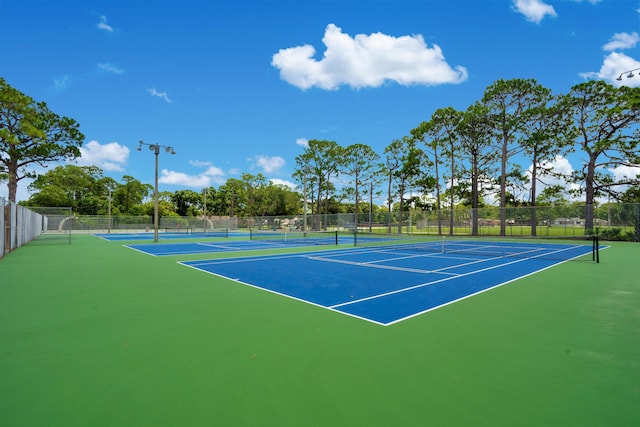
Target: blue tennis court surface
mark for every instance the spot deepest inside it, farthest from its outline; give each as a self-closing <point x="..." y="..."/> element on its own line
<point x="164" y="235"/>
<point x="186" y="248"/>
<point x="387" y="285"/>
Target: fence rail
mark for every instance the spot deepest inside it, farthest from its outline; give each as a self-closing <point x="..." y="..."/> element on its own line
<point x="611" y="221"/>
<point x="19" y="225"/>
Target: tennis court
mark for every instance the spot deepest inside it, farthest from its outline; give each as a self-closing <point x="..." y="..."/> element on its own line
<point x="390" y="283"/>
<point x="186" y="233"/>
<point x="257" y="241"/>
<point x="91" y="326"/>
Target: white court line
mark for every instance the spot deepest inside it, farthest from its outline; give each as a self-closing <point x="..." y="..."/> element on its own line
<point x="371" y="265"/>
<point x="422" y="285"/>
<point x="282" y="294"/>
<point x="333" y="308"/>
<point x="139" y="250"/>
<point x="213" y="245"/>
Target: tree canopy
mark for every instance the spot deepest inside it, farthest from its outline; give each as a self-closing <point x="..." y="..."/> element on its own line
<point x="461" y="156"/>
<point x="31" y="133"/>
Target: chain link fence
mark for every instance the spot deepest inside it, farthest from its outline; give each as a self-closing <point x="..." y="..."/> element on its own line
<point x="610" y="221"/>
<point x="144" y="223"/>
<point x="19" y="225"/>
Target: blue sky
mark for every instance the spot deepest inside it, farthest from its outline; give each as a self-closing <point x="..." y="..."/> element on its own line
<point x="240" y="86"/>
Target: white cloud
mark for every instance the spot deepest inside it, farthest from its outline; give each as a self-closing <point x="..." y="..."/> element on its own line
<point x="213" y="175"/>
<point x="110" y="68"/>
<point x="269" y="164"/>
<point x="612" y="67"/>
<point x="622" y="41"/>
<point x="22" y="193"/>
<point x="366" y="61"/>
<point x="162" y="95"/>
<point x="111" y="157"/>
<point x="179" y="178"/>
<point x="302" y="142"/>
<point x="559" y="166"/>
<point x="102" y="25"/>
<point x="626" y="172"/>
<point x="277" y="181"/>
<point x="534" y="10"/>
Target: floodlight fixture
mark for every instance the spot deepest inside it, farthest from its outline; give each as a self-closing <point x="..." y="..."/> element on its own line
<point x="629" y="74"/>
<point x="155" y="148"/>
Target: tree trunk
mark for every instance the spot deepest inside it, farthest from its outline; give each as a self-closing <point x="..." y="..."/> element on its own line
<point x="435" y="155"/>
<point x="534" y="176"/>
<point x="452" y="199"/>
<point x="503" y="187"/>
<point x="474" y="196"/>
<point x="12" y="185"/>
<point x="389" y="203"/>
<point x="590" y="193"/>
<point x="355" y="211"/>
<point x="400" y="216"/>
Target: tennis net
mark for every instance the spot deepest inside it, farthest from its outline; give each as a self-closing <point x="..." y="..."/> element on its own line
<point x="296" y="237"/>
<point x="223" y="232"/>
<point x="551" y="249"/>
<point x="209" y="232"/>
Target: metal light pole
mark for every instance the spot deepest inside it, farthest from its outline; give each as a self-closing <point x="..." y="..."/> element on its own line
<point x="204" y="215"/>
<point x="109" y="215"/>
<point x="305" y="170"/>
<point x="629" y="74"/>
<point x="155" y="148"/>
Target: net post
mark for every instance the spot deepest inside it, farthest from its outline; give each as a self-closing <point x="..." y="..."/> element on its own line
<point x="336" y="237"/>
<point x="597" y="249"/>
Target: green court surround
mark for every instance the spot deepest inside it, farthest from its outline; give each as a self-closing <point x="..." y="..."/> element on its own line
<point x="94" y="334"/>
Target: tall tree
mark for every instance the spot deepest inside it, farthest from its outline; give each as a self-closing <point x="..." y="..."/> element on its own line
<point x="359" y="163"/>
<point x="130" y="195"/>
<point x="439" y="137"/>
<point x="83" y="188"/>
<point x="548" y="134"/>
<point x="31" y="133"/>
<point x="409" y="171"/>
<point x="444" y="134"/>
<point x="186" y="202"/>
<point x="208" y="201"/>
<point x="307" y="184"/>
<point x="393" y="156"/>
<point x="425" y="133"/>
<point x="233" y="192"/>
<point x="474" y="131"/>
<point x="322" y="160"/>
<point x="253" y="184"/>
<point x="605" y="119"/>
<point x="508" y="101"/>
